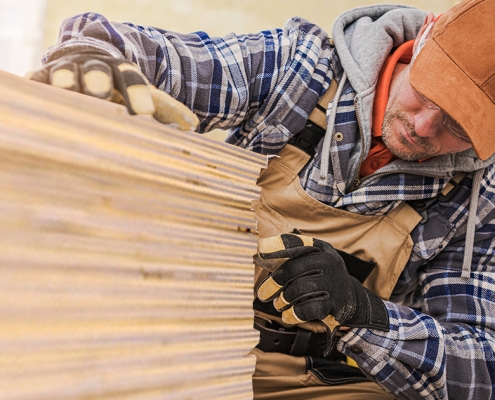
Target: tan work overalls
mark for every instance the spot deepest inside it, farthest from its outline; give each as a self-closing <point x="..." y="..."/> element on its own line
<point x="385" y="239"/>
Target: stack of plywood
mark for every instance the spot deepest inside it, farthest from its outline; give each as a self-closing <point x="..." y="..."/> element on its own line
<point x="125" y="253"/>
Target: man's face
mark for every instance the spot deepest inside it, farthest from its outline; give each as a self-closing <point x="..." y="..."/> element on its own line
<point x="411" y="130"/>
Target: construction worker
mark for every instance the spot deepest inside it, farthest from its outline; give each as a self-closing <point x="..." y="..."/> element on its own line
<point x="384" y="138"/>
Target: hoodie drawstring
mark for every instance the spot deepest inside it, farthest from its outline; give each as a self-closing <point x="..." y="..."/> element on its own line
<point x="471" y="223"/>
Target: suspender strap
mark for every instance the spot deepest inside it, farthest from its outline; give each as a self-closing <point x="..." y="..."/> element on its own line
<point x="422" y="205"/>
<point x="451" y="186"/>
<point x="319" y="114"/>
<point x="316" y="126"/>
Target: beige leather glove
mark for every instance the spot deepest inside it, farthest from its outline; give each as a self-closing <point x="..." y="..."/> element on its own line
<point x="116" y="80"/>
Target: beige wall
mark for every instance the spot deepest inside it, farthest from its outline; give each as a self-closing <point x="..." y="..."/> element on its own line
<point x="216" y="17"/>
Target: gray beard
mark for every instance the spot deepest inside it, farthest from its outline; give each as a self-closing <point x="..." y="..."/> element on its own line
<point x="412" y="155"/>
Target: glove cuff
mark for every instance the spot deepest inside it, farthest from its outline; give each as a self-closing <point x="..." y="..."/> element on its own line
<point x="370" y="311"/>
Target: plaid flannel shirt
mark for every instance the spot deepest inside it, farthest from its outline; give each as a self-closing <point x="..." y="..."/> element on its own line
<point x="263" y="86"/>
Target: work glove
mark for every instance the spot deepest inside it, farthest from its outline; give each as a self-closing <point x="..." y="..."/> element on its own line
<point x="309" y="281"/>
<point x="117" y="80"/>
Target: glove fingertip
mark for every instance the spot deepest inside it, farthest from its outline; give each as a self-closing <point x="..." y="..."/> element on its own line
<point x="291" y="240"/>
<point x="65" y="78"/>
<point x="268" y="289"/>
<point x="285" y="245"/>
<point x="133" y="85"/>
<point x="331" y="322"/>
<point x="97" y="79"/>
<point x="280" y="303"/>
<point x="173" y="112"/>
<point x="270" y="244"/>
<point x="289" y="317"/>
<point x="140" y="100"/>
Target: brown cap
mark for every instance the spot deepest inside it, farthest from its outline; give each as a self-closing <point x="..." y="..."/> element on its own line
<point x="456" y="70"/>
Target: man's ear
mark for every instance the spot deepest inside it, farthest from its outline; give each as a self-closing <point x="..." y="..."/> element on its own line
<point x="428" y="20"/>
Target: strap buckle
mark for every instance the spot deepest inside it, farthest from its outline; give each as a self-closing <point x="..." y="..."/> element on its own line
<point x="422" y="205"/>
<point x="308" y="138"/>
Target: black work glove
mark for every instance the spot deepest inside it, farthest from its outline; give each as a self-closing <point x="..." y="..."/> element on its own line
<point x="117" y="80"/>
<point x="309" y="281"/>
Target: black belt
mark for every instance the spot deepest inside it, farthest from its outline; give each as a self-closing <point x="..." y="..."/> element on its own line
<point x="294" y="341"/>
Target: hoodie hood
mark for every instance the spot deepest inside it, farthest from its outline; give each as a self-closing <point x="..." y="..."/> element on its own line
<point x="364" y="37"/>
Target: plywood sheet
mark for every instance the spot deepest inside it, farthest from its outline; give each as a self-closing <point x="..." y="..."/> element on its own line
<point x="125" y="253"/>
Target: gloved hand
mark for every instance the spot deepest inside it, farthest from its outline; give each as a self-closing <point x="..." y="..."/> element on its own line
<point x="116" y="80"/>
<point x="309" y="281"/>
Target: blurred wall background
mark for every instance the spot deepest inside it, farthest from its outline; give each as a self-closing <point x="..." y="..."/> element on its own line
<point x="216" y="17"/>
<point x="29" y="26"/>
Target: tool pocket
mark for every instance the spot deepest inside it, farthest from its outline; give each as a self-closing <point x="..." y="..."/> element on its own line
<point x="270" y="222"/>
<point x="334" y="372"/>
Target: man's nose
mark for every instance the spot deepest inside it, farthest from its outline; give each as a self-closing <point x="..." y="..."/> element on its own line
<point x="428" y="122"/>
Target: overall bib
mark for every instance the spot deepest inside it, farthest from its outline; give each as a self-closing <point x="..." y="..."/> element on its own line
<point x="283" y="207"/>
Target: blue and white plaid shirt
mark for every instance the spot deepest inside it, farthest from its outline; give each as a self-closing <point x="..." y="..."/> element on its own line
<point x="263" y="87"/>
